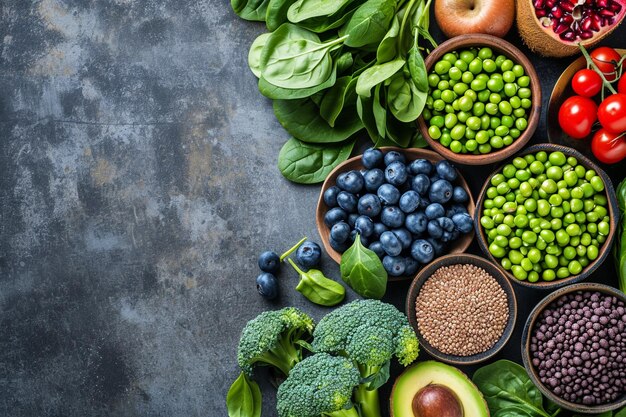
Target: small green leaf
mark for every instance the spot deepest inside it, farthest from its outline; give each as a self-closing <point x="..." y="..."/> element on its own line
<point x="254" y="56"/>
<point x="306" y="9"/>
<point x="369" y="23"/>
<point x="317" y="288"/>
<point x="388" y="47"/>
<point x="363" y="271"/>
<point x="376" y="75"/>
<point x="254" y="10"/>
<point x="276" y="13"/>
<point x="335" y="97"/>
<point x="417" y="68"/>
<point x="244" y="398"/>
<point x="404" y="100"/>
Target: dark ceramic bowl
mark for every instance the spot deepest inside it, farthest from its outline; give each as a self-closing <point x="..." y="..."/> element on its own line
<point x="490" y="268"/>
<point x="526" y="337"/>
<point x="605" y="250"/>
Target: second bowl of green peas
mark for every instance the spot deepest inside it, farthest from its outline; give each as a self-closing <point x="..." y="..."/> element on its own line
<point x="547" y="217"/>
<point x="484" y="100"/>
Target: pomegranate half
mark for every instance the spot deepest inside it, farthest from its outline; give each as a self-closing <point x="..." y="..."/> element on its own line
<point x="555" y="27"/>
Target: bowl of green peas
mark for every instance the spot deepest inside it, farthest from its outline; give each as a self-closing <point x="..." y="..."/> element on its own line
<point x="547" y="217"/>
<point x="484" y="100"/>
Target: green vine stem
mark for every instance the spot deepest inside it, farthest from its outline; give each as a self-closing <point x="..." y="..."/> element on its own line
<point x="593" y="66"/>
<point x="292" y="249"/>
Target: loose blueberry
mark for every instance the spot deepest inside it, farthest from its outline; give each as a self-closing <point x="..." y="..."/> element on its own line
<point x="388" y="194"/>
<point x="438" y="246"/>
<point x="440" y="192"/>
<point x="369" y="205"/>
<point x="446" y="224"/>
<point x="372" y="158"/>
<point x="422" y="251"/>
<point x="463" y="222"/>
<point x="379" y="228"/>
<point x="309" y="254"/>
<point x="421" y="166"/>
<point x="459" y="195"/>
<point x="351" y="181"/>
<point x="394" y="265"/>
<point x="391" y="244"/>
<point x="410" y="266"/>
<point x="364" y="226"/>
<point x="434" y="210"/>
<point x="335" y="215"/>
<point x="352" y="219"/>
<point x="434" y="229"/>
<point x="267" y="285"/>
<point x="330" y="196"/>
<point x="347" y="201"/>
<point x="393" y="156"/>
<point x="396" y="173"/>
<point x="373" y="178"/>
<point x="409" y="201"/>
<point x="416" y="222"/>
<point x="377" y="248"/>
<point x="340" y="232"/>
<point x="455" y="209"/>
<point x="392" y="217"/>
<point x="420" y="184"/>
<point x="404" y="236"/>
<point x="339" y="246"/>
<point x="269" y="261"/>
<point x="446" y="170"/>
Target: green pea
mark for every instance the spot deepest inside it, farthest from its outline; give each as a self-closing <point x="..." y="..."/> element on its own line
<point x="584" y="262"/>
<point x="600" y="211"/>
<point x="523" y="175"/>
<point x="573" y="230"/>
<point x="473" y="123"/>
<point x="574" y="267"/>
<point x="445" y="139"/>
<point x="436" y="94"/>
<point x="433" y="80"/>
<point x="556" y="224"/>
<point x="521" y="124"/>
<point x="554" y="172"/>
<point x="551" y="261"/>
<point x="526" y="103"/>
<point x="592" y="228"/>
<point x="448" y="96"/>
<point x="534" y="255"/>
<point x="543" y="207"/>
<point x="485" y="53"/>
<point x="529" y="237"/>
<point x="506" y="109"/>
<point x="549" y="186"/>
<point x="503" y="230"/>
<point x="450" y="57"/>
<point x="510" y="89"/>
<point x="524" y="92"/>
<point x="515" y="257"/>
<point x="597" y="183"/>
<point x="557" y="212"/>
<point x="508" y="76"/>
<point x="476" y="66"/>
<point x="482" y="137"/>
<point x="519" y="113"/>
<point x="513" y="183"/>
<point x="487" y="222"/>
<point x="456" y="146"/>
<point x="457" y="132"/>
<point x="592" y="252"/>
<point x="450" y="120"/>
<point x="518" y="70"/>
<point x="495" y="98"/>
<point x="548" y="275"/>
<point x="484" y="148"/>
<point x="600" y="199"/>
<point x="471" y="94"/>
<point x="489" y="65"/>
<point x="562" y="272"/>
<point x="467" y="77"/>
<point x="502" y="130"/>
<point x="465" y="103"/>
<point x="439" y="105"/>
<point x="483" y="96"/>
<point x="460" y="88"/>
<point x="526" y="264"/>
<point x="519" y="272"/>
<point x="581" y="250"/>
<point x="509" y="170"/>
<point x="443" y="85"/>
<point x="478" y="109"/>
<point x="522" y="80"/>
<point x="516" y="103"/>
<point x="603" y="228"/>
<point x="434" y="132"/>
<point x="460" y="64"/>
<point x="537" y="168"/>
<point x="495" y="84"/>
<point x="455" y="74"/>
<point x="533" y="276"/>
<point x="463" y="116"/>
<point x="478" y="85"/>
<point x="530" y="205"/>
<point x="506" y="263"/>
<point x="491" y="108"/>
<point x="588" y="190"/>
<point x="442" y="67"/>
<point x="471" y="145"/>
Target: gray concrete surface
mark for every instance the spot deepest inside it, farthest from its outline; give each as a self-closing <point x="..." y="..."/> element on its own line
<point x="137" y="187"/>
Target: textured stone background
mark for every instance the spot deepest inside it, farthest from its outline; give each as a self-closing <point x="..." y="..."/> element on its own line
<point x="137" y="187"/>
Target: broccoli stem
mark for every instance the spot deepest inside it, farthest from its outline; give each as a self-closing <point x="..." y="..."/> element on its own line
<point x="368" y="401"/>
<point x="351" y="412"/>
<point x="284" y="355"/>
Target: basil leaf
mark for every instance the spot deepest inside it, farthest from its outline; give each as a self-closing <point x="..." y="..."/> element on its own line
<point x="306" y="9"/>
<point x="254" y="55"/>
<point x="335" y="97"/>
<point x="305" y="163"/>
<point x="317" y="288"/>
<point x="244" y="398"/>
<point x="369" y="23"/>
<point x="254" y="10"/>
<point x="276" y="13"/>
<point x="376" y="75"/>
<point x="363" y="271"/>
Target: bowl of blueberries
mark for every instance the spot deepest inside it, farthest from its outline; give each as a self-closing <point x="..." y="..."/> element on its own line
<point x="408" y="206"/>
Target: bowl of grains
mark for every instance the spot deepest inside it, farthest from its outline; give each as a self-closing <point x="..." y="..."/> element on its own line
<point x="574" y="347"/>
<point x="463" y="309"/>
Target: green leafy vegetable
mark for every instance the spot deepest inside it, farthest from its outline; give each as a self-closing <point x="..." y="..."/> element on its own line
<point x="369" y="23"/>
<point x="619" y="247"/>
<point x="335" y="97"/>
<point x="306" y="9"/>
<point x="605" y="414"/>
<point x="363" y="271"/>
<point x="317" y="288"/>
<point x="388" y="48"/>
<point x="404" y="99"/>
<point x="244" y="398"/>
<point x="254" y="55"/>
<point x="250" y="9"/>
<point x="276" y="13"/>
<point x="278" y="93"/>
<point x="376" y="75"/>
<point x="305" y="163"/>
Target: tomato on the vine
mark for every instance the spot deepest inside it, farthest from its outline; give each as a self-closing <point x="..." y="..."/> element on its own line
<point x="605" y="59"/>
<point x="577" y="115"/>
<point x="608" y="147"/>
<point x="586" y="83"/>
<point x="612" y="113"/>
<point x="621" y="85"/>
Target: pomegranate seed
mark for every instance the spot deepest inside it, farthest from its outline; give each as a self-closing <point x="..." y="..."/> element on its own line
<point x="606" y="21"/>
<point x="596" y="22"/>
<point x="540" y="13"/>
<point x="557" y="12"/>
<point x="568" y="36"/>
<point x="550" y="3"/>
<point x="560" y="28"/>
<point x="601" y="3"/>
<point x="585" y="24"/>
<point x="586" y="34"/>
<point x="616" y="7"/>
<point x="607" y="12"/>
<point x="568" y="20"/>
<point x="538" y="4"/>
<point x="567" y="6"/>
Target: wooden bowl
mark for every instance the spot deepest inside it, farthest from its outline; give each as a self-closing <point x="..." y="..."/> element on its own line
<point x="502" y="47"/>
<point x="458" y="246"/>
<point x="495" y="272"/>
<point x="605" y="250"/>
<point x="526" y="338"/>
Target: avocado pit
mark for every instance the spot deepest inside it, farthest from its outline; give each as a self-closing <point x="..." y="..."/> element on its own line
<point x="436" y="400"/>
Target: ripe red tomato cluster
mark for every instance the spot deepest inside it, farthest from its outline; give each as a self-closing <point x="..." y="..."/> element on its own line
<point x="579" y="113"/>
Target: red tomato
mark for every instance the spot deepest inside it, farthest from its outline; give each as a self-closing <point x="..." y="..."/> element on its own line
<point x="587" y="83"/>
<point x="606" y="59"/>
<point x="612" y="113"/>
<point x="577" y="115"/>
<point x="621" y="85"/>
<point x="608" y="147"/>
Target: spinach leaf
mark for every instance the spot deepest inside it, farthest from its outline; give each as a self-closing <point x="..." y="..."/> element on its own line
<point x="400" y="133"/>
<point x="269" y="90"/>
<point x="344" y="62"/>
<point x="505" y="386"/>
<point x="404" y="100"/>
<point x="276" y="13"/>
<point x="244" y="398"/>
<point x="305" y="163"/>
<point x="388" y="48"/>
<point x="335" y="97"/>
<point x="417" y="68"/>
<point x="317" y="288"/>
<point x="363" y="271"/>
<point x="380" y="112"/>
<point x="369" y="23"/>
<point x="418" y="141"/>
<point x="301" y="118"/>
<point x="376" y="75"/>
<point x="295" y="58"/>
<point x="306" y="9"/>
<point x="364" y="107"/>
<point x="325" y="23"/>
<point x="513" y="411"/>
<point x="254" y="55"/>
<point x="250" y="9"/>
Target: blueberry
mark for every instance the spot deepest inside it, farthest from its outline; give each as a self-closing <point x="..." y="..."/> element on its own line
<point x="309" y="254"/>
<point x="449" y="236"/>
<point x="446" y="170"/>
<point x="347" y="201"/>
<point x="394" y="265"/>
<point x="391" y="244"/>
<point x="388" y="194"/>
<point x="425" y="202"/>
<point x="377" y="248"/>
<point x="364" y="226"/>
<point x="379" y="228"/>
<point x="330" y="196"/>
<point x="369" y="205"/>
<point x="446" y="224"/>
<point x="420" y="184"/>
<point x="459" y="195"/>
<point x="340" y="232"/>
<point x="393" y="156"/>
<point x="335" y="215"/>
<point x="440" y="192"/>
<point x="396" y="173"/>
<point x="410" y="266"/>
<point x="269" y="261"/>
<point x="392" y="216"/>
<point x="416" y="222"/>
<point x="404" y="236"/>
<point x="339" y="246"/>
<point x="434" y="178"/>
<point x="434" y="210"/>
<point x="372" y="158"/>
<point x="364" y="240"/>
<point x="422" y="251"/>
<point x="463" y="222"/>
<point x="434" y="229"/>
<point x="373" y="178"/>
<point x="409" y="201"/>
<point x="421" y="166"/>
<point x="352" y="219"/>
<point x="455" y="209"/>
<point x="438" y="246"/>
<point x="267" y="285"/>
<point x="351" y="181"/>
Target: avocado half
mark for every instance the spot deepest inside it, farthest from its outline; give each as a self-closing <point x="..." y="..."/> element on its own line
<point x="422" y="374"/>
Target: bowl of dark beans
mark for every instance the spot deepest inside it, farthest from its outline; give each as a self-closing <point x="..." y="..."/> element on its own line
<point x="574" y="347"/>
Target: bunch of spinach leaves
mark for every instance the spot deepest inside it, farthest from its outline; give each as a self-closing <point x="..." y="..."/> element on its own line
<point x="336" y="67"/>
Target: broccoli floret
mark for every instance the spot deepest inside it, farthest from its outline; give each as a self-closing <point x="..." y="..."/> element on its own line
<point x="370" y="333"/>
<point x="271" y="339"/>
<point x="320" y="385"/>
